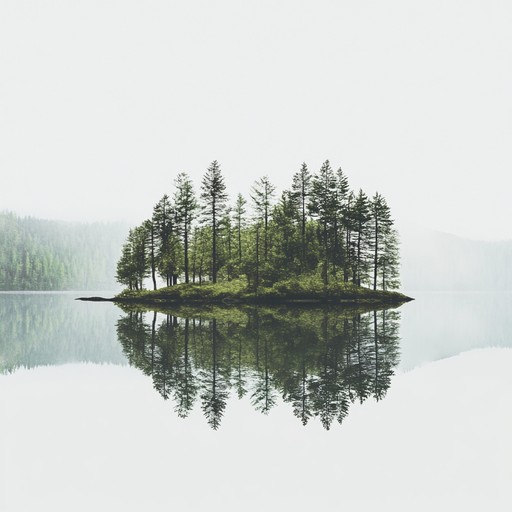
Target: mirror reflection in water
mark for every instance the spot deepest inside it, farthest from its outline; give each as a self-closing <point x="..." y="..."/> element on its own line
<point x="319" y="361"/>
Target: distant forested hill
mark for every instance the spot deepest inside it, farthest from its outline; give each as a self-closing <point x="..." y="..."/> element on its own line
<point x="40" y="254"/>
<point x="441" y="262"/>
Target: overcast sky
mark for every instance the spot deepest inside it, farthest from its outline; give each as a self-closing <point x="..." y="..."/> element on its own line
<point x="103" y="102"/>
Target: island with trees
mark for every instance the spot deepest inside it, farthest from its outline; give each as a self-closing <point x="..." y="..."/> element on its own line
<point x="319" y="241"/>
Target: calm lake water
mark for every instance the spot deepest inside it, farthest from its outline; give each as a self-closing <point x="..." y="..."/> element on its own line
<point x="255" y="408"/>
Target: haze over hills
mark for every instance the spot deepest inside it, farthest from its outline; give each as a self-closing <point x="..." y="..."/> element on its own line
<point x="38" y="254"/>
<point x="435" y="261"/>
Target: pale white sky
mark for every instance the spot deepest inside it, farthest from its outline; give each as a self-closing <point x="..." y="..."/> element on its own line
<point x="103" y="102"/>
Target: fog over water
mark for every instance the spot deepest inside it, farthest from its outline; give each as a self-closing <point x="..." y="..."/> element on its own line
<point x="103" y="103"/>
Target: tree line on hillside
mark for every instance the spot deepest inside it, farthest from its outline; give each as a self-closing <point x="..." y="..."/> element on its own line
<point x="37" y="254"/>
<point x="318" y="226"/>
<point x="319" y="362"/>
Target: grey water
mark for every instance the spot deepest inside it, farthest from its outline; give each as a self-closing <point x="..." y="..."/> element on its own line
<point x="227" y="408"/>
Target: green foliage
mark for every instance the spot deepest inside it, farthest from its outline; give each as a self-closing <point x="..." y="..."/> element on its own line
<point x="319" y="360"/>
<point x="213" y="194"/>
<point x="317" y="228"/>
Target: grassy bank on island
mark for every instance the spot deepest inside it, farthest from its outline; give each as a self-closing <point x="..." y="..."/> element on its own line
<point x="303" y="290"/>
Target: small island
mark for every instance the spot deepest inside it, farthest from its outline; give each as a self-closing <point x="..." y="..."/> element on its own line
<point x="319" y="242"/>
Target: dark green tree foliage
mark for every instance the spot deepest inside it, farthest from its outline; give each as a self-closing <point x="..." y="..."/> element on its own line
<point x="360" y="217"/>
<point x="389" y="262"/>
<point x="163" y="220"/>
<point x="134" y="265"/>
<point x="324" y="206"/>
<point x="185" y="205"/>
<point x="301" y="191"/>
<point x="240" y="223"/>
<point x="262" y="195"/>
<point x="319" y="361"/>
<point x="380" y="227"/>
<point x="317" y="230"/>
<point x="38" y="254"/>
<point x="214" y="197"/>
<point x="286" y="256"/>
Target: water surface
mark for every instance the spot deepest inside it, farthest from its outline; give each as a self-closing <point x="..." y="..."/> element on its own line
<point x="254" y="409"/>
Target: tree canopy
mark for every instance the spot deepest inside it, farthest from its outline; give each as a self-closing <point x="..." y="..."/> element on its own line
<point x="317" y="227"/>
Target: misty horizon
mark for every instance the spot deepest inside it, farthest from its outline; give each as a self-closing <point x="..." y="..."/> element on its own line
<point x="103" y="105"/>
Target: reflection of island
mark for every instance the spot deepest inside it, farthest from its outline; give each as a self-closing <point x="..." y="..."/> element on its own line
<point x="318" y="360"/>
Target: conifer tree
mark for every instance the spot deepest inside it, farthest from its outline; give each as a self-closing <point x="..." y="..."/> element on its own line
<point x="152" y="247"/>
<point x="301" y="190"/>
<point x="125" y="272"/>
<point x="185" y="206"/>
<point x="262" y="194"/>
<point x="390" y="261"/>
<point x="360" y="214"/>
<point x="340" y="200"/>
<point x="213" y="195"/>
<point x="381" y="223"/>
<point x="323" y="205"/>
<point x="239" y="216"/>
<point x="163" y="219"/>
<point x="286" y="256"/>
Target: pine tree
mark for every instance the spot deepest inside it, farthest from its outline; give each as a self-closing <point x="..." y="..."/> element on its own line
<point x="301" y="190"/>
<point x="381" y="223"/>
<point x="149" y="225"/>
<point x="340" y="202"/>
<point x="163" y="219"/>
<point x="323" y="206"/>
<point x="360" y="214"/>
<point x="239" y="217"/>
<point x="140" y="249"/>
<point x="390" y="261"/>
<point x="213" y="195"/>
<point x="185" y="206"/>
<point x="262" y="194"/>
<point x="125" y="271"/>
<point x="286" y="256"/>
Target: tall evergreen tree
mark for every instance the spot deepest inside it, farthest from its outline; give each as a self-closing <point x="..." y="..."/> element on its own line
<point x="262" y="194"/>
<point x="360" y="213"/>
<point x="213" y="195"/>
<point x="149" y="225"/>
<point x="340" y="203"/>
<point x="301" y="190"/>
<point x="323" y="205"/>
<point x="381" y="223"/>
<point x="125" y="269"/>
<point x="286" y="256"/>
<point x="239" y="216"/>
<point x="390" y="261"/>
<point x="163" y="219"/>
<point x="185" y="206"/>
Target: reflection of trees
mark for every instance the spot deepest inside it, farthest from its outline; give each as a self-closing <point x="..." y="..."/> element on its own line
<point x="50" y="328"/>
<point x="213" y="382"/>
<point x="319" y="361"/>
